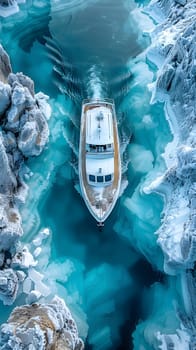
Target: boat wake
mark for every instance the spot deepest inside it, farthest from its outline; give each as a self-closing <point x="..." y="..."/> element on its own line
<point x="95" y="83"/>
<point x="120" y="83"/>
<point x="65" y="75"/>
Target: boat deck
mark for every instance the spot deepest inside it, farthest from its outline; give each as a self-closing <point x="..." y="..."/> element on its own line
<point x="100" y="203"/>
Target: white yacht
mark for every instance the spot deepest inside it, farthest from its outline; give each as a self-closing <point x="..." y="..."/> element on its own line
<point x="99" y="157"/>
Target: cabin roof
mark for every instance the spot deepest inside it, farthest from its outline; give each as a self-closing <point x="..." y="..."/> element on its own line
<point x="96" y="166"/>
<point x="99" y="126"/>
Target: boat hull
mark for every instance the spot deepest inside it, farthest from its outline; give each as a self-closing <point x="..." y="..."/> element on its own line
<point x="99" y="199"/>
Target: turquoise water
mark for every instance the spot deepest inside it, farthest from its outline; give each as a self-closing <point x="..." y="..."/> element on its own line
<point x="83" y="49"/>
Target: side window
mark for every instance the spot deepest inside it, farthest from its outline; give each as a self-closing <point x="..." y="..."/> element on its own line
<point x="108" y="178"/>
<point x="92" y="178"/>
<point x="99" y="178"/>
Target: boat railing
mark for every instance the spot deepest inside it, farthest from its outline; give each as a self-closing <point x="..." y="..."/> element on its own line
<point x="98" y="100"/>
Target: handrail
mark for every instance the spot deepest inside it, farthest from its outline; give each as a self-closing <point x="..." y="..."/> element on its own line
<point x="97" y="100"/>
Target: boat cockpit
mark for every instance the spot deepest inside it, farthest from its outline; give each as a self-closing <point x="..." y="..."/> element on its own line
<point x="99" y="148"/>
<point x="100" y="179"/>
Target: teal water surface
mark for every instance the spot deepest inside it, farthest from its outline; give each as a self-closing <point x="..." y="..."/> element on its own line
<point x="84" y="49"/>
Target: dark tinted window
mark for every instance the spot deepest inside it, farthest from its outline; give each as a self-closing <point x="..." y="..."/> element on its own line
<point x="99" y="178"/>
<point x="92" y="178"/>
<point x="108" y="178"/>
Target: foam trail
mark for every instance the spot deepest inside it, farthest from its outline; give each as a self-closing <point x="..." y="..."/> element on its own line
<point x="65" y="77"/>
<point x="70" y="142"/>
<point x="95" y="88"/>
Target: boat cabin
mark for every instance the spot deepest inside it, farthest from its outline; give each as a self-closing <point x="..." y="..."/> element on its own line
<point x="99" y="146"/>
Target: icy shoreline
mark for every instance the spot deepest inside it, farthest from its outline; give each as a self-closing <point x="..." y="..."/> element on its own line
<point x="24" y="133"/>
<point x="173" y="52"/>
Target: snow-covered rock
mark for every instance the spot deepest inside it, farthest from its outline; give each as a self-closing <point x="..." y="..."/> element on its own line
<point x="8" y="286"/>
<point x="43" y="105"/>
<point x="8" y="182"/>
<point x="21" y="275"/>
<point x="34" y="134"/>
<point x="2" y="259"/>
<point x="5" y="66"/>
<point x="41" y="327"/>
<point x="21" y="80"/>
<point x="27" y="115"/>
<point x="176" y="86"/>
<point x="173" y="51"/>
<point x="23" y="259"/>
<point x="24" y="132"/>
<point x="10" y="224"/>
<point x="5" y="97"/>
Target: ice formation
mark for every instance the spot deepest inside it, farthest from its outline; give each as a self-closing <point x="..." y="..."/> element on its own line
<point x="9" y="7"/>
<point x="40" y="327"/>
<point x="176" y="86"/>
<point x="24" y="133"/>
<point x="8" y="286"/>
<point x="19" y="107"/>
<point x="173" y="51"/>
